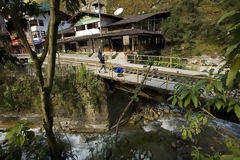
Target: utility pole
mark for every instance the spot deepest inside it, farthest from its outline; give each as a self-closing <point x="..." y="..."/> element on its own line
<point x="99" y="14"/>
<point x="100" y="23"/>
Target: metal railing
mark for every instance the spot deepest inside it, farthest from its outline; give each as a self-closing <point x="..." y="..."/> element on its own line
<point x="167" y="61"/>
<point x="126" y="76"/>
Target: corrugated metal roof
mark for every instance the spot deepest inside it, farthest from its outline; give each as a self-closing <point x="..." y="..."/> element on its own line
<point x="137" y="18"/>
<point x="83" y="13"/>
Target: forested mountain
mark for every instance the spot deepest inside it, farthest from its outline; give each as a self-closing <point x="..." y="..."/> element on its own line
<point x="192" y="28"/>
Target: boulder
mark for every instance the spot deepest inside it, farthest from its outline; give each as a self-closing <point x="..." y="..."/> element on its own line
<point x="156" y="116"/>
<point x="174" y="145"/>
<point x="145" y="122"/>
<point x="83" y="139"/>
<point x="149" y="154"/>
<point x="166" y="109"/>
<point x="148" y="117"/>
<point x="135" y="119"/>
<point x="176" y="110"/>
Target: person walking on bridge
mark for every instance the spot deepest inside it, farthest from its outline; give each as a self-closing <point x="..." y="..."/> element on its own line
<point x="102" y="60"/>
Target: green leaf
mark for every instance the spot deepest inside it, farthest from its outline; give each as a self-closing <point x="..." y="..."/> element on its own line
<point x="237" y="110"/>
<point x="233" y="71"/>
<point x="194" y="100"/>
<point x="187" y="101"/>
<point x="189" y="134"/>
<point x="174" y="101"/>
<point x="209" y="88"/>
<point x="234" y="27"/>
<point x="205" y="120"/>
<point x="218" y="85"/>
<point x="219" y="104"/>
<point x="184" y="133"/>
<point x="227" y="157"/>
<point x="228" y="15"/>
<point x="184" y="94"/>
<point x="229" y="109"/>
<point x="231" y="48"/>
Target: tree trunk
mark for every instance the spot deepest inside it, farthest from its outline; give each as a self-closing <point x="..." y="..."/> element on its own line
<point x="47" y="108"/>
<point x="45" y="87"/>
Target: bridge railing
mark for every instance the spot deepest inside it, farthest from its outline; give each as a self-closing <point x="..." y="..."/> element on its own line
<point x="168" y="61"/>
<point x="161" y="76"/>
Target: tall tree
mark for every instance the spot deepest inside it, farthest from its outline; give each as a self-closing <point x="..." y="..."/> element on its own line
<point x="14" y="12"/>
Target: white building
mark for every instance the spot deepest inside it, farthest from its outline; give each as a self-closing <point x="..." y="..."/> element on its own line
<point x="39" y="26"/>
<point x="84" y="25"/>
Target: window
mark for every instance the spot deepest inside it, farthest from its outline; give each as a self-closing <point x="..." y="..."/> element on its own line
<point x="43" y="33"/>
<point x="36" y="34"/>
<point x="89" y="26"/>
<point x="80" y="28"/>
<point x="33" y="22"/>
<point x="92" y="25"/>
<point x="82" y="43"/>
<point x="41" y="23"/>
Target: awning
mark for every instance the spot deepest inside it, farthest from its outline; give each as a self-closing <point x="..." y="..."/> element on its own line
<point x="87" y="20"/>
<point x="16" y="42"/>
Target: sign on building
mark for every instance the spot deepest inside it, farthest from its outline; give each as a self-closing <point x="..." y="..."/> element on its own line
<point x="125" y="40"/>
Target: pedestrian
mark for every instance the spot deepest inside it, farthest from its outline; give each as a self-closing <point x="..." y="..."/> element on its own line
<point x="102" y="61"/>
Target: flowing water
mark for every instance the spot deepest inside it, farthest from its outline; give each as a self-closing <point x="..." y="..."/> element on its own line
<point x="156" y="137"/>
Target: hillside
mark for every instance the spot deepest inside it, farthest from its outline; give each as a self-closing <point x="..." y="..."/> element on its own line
<point x="192" y="28"/>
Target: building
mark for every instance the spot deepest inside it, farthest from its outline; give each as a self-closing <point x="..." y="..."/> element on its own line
<point x="83" y="35"/>
<point x="35" y="28"/>
<point x="38" y="26"/>
<point x="136" y="33"/>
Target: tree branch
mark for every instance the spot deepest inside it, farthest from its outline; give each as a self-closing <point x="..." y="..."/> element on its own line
<point x="45" y="49"/>
<point x="138" y="89"/>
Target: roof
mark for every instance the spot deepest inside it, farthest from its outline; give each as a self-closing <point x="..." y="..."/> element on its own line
<point x="76" y="17"/>
<point x="67" y="31"/>
<point x="137" y="18"/>
<point x="44" y="6"/>
<point x="112" y="34"/>
<point x="130" y="32"/>
<point x="96" y="4"/>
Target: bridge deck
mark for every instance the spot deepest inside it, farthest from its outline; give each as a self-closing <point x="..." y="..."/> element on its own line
<point x="159" y="77"/>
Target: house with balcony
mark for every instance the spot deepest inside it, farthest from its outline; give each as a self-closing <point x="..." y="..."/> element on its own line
<point x="130" y="34"/>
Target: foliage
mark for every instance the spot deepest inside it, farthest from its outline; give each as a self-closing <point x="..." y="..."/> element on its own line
<point x="196" y="155"/>
<point x="20" y="134"/>
<point x="213" y="88"/>
<point x="218" y="97"/>
<point x="194" y="126"/>
<point x="6" y="59"/>
<point x="19" y="95"/>
<point x="76" y="90"/>
<point x="191" y="29"/>
<point x="22" y="140"/>
<point x="232" y="51"/>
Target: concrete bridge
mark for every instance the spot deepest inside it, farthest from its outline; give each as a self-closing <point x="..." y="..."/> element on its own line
<point x="159" y="77"/>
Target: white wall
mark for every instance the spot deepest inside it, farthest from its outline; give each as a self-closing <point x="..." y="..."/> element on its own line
<point x="87" y="32"/>
<point x="45" y="17"/>
<point x="105" y="21"/>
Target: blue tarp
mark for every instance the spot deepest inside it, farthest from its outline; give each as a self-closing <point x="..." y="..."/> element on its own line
<point x="118" y="70"/>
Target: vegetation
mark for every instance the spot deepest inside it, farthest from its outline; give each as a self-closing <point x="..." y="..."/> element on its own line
<point x="22" y="142"/>
<point x="72" y="92"/>
<point x="192" y="28"/>
<point x="14" y="12"/>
